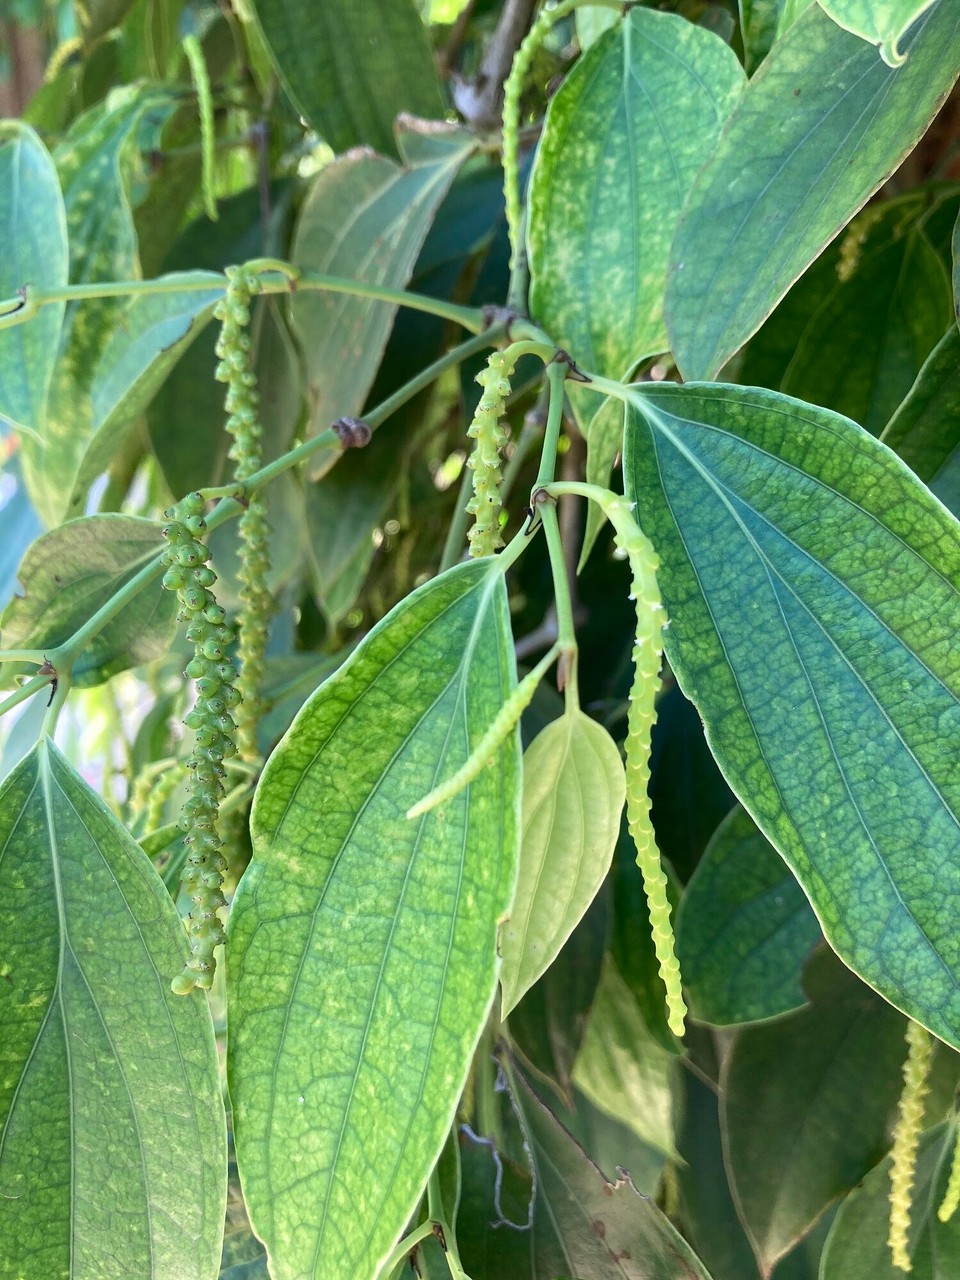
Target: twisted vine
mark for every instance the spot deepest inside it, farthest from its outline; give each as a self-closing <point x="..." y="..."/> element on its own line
<point x="906" y="1140"/>
<point x="213" y="728"/>
<point x="246" y="452"/>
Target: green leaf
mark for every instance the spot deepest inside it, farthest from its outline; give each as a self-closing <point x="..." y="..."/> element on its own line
<point x="837" y="1068"/>
<point x="604" y="441"/>
<point x="70" y="573"/>
<point x="33" y="231"/>
<point x="808" y="578"/>
<point x="882" y="22"/>
<point x="623" y="1070"/>
<point x="592" y="21"/>
<point x="355" y="931"/>
<point x="584" y="1225"/>
<point x="856" y="1247"/>
<point x="759" y="24"/>
<point x="350" y="69"/>
<point x="744" y="929"/>
<point x="573" y="793"/>
<point x="634" y="121"/>
<point x="365" y="217"/>
<point x="925" y="430"/>
<point x="863" y="348"/>
<point x="113" y="1160"/>
<point x="101" y="172"/>
<point x="820" y="127"/>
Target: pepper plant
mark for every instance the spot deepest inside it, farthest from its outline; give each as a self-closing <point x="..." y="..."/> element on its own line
<point x="381" y="891"/>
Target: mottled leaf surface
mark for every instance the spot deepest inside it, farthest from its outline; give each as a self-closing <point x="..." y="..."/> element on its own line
<point x="624" y="137"/>
<point x="70" y="573"/>
<point x="362" y="954"/>
<point x="573" y="792"/>
<point x="112" y="1134"/>
<point x="882" y="22"/>
<point x="820" y="127"/>
<point x="809" y="579"/>
<point x="365" y="217"/>
<point x="744" y="929"/>
<point x="33" y="231"/>
<point x="350" y="69"/>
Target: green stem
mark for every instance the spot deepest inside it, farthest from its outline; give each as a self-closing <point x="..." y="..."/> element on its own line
<point x="556" y="375"/>
<point x="404" y="1246"/>
<point x="19" y="309"/>
<point x="22" y="655"/>
<point x="437" y="1215"/>
<point x="23" y="693"/>
<point x="566" y="634"/>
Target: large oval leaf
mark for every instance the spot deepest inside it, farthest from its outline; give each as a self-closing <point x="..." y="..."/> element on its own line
<point x="820" y="127"/>
<point x="882" y="22"/>
<point x="573" y="792"/>
<point x="112" y="1133"/>
<point x="623" y="140"/>
<point x="744" y="929"/>
<point x="362" y="955"/>
<point x="71" y="572"/>
<point x="809" y="578"/>
<point x="33" y="231"/>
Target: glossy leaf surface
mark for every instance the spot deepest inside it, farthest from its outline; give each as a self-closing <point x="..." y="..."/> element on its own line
<point x="633" y="122"/>
<point x="70" y="573"/>
<point x="744" y="929"/>
<point x="821" y="126"/>
<point x="366" y="218"/>
<point x="351" y="68"/>
<point x="837" y="1072"/>
<point x="573" y="793"/>
<point x="881" y="22"/>
<point x="808" y="577"/>
<point x="356" y="930"/>
<point x="584" y="1225"/>
<point x="113" y="1154"/>
<point x="33" y="230"/>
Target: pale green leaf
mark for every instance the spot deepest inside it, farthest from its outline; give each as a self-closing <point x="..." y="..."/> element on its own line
<point x="365" y="218"/>
<point x="623" y="1070"/>
<point x="362" y="951"/>
<point x="350" y="69"/>
<point x="592" y="21"/>
<point x="573" y="793"/>
<point x="925" y="430"/>
<point x="604" y="441"/>
<point x="882" y="22"/>
<point x="70" y="573"/>
<point x="624" y="137"/>
<point x="837" y="1071"/>
<point x="33" y="231"/>
<point x="744" y="929"/>
<point x="857" y="1249"/>
<point x="863" y="348"/>
<point x="821" y="126"/>
<point x="809" y="581"/>
<point x="112" y="1133"/>
<point x="585" y="1226"/>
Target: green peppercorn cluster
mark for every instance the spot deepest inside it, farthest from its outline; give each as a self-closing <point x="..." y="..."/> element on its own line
<point x="243" y="424"/>
<point x="490" y="435"/>
<point x="213" y="727"/>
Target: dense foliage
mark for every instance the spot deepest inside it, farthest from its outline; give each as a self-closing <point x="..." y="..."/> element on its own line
<point x="480" y="573"/>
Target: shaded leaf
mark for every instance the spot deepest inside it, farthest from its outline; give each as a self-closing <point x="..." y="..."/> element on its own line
<point x="70" y="573"/>
<point x="33" y="231"/>
<point x="808" y="578"/>
<point x="573" y="793"/>
<point x="20" y="527"/>
<point x="648" y="98"/>
<point x="365" y="218"/>
<point x="584" y="1226"/>
<point x="881" y="22"/>
<point x="837" y="1068"/>
<point x="774" y="194"/>
<point x="925" y="430"/>
<point x="857" y="1249"/>
<point x="335" y="960"/>
<point x="604" y="441"/>
<point x="114" y="1157"/>
<point x="744" y="929"/>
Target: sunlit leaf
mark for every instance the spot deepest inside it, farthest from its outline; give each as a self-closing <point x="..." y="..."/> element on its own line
<point x="882" y="22"/>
